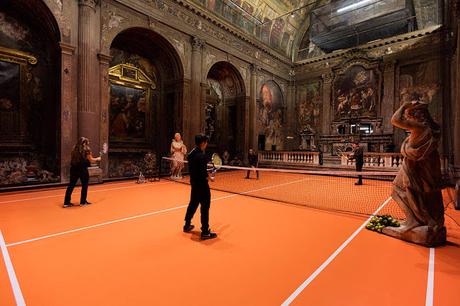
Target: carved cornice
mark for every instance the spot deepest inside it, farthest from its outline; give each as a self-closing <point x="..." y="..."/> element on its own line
<point x="209" y="25"/>
<point x="104" y="58"/>
<point x="67" y="49"/>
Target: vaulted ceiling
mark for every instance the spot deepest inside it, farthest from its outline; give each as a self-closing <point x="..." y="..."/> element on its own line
<point x="307" y="28"/>
<point x="274" y="22"/>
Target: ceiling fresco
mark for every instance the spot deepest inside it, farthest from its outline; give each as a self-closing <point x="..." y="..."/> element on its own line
<point x="274" y="22"/>
<point x="310" y="28"/>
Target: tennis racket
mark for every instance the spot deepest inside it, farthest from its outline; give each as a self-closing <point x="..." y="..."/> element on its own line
<point x="216" y="162"/>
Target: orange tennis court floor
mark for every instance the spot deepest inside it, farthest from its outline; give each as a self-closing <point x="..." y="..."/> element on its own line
<point x="128" y="248"/>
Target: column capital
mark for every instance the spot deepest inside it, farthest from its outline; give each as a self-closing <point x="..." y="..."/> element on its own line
<point x="104" y="58"/>
<point x="389" y="66"/>
<point x="254" y="69"/>
<point x="327" y="77"/>
<point x="67" y="49"/>
<point x="90" y="3"/>
<point x="197" y="43"/>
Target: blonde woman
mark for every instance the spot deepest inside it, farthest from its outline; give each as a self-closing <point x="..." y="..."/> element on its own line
<point x="178" y="151"/>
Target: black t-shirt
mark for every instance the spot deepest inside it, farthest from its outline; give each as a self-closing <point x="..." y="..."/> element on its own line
<point x="253" y="159"/>
<point x="80" y="160"/>
<point x="198" y="166"/>
<point x="358" y="155"/>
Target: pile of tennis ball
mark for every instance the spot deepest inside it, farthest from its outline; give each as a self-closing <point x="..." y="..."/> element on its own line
<point x="378" y="223"/>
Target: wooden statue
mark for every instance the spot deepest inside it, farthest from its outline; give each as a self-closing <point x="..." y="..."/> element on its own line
<point x="417" y="187"/>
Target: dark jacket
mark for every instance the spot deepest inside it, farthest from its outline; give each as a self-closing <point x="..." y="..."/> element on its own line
<point x="79" y="161"/>
<point x="198" y="167"/>
<point x="253" y="159"/>
<point x="358" y="155"/>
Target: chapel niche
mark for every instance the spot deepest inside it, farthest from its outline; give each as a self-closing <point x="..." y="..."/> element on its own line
<point x="146" y="88"/>
<point x="29" y="94"/>
<point x="224" y="110"/>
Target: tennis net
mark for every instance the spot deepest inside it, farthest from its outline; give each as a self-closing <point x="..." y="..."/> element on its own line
<point x="325" y="190"/>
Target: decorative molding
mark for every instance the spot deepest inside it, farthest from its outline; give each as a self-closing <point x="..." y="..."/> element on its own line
<point x="228" y="35"/>
<point x="327" y="77"/>
<point x="15" y="56"/>
<point x="104" y="58"/>
<point x="90" y="3"/>
<point x="197" y="43"/>
<point x="364" y="62"/>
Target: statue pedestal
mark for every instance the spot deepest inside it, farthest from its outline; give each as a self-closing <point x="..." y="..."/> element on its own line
<point x="423" y="235"/>
<point x="95" y="175"/>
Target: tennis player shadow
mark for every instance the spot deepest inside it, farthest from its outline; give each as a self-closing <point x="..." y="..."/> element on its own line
<point x="219" y="230"/>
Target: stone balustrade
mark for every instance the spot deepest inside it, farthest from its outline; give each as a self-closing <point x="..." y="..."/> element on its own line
<point x="376" y="160"/>
<point x="289" y="157"/>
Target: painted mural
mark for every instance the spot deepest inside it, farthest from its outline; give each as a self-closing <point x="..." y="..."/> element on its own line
<point x="356" y="93"/>
<point x="127" y="113"/>
<point x="265" y="19"/>
<point x="309" y="108"/>
<point x="271" y="108"/>
<point x="422" y="81"/>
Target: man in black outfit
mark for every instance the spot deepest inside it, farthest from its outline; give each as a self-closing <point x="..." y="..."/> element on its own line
<point x="200" y="193"/>
<point x="253" y="159"/>
<point x="358" y="156"/>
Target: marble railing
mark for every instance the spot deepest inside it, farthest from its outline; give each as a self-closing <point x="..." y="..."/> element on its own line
<point x="376" y="160"/>
<point x="289" y="157"/>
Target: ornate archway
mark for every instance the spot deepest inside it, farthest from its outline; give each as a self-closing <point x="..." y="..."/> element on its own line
<point x="145" y="105"/>
<point x="225" y="109"/>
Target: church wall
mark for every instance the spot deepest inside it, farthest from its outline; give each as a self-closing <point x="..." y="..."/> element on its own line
<point x="386" y="68"/>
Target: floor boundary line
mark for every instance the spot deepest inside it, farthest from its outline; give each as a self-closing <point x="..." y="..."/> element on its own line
<point x="11" y="274"/>
<point x="430" y="282"/>
<point x="139" y="216"/>
<point x="299" y="290"/>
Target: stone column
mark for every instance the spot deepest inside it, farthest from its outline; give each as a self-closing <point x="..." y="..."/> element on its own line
<point x="88" y="77"/>
<point x="246" y="128"/>
<point x="253" y="108"/>
<point x="195" y="89"/>
<point x="291" y="143"/>
<point x="104" y="65"/>
<point x="186" y="118"/>
<point x="203" y="88"/>
<point x="68" y="96"/>
<point x="327" y="104"/>
<point x="388" y="97"/>
<point x="456" y="131"/>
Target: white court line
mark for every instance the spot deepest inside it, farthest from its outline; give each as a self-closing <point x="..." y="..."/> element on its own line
<point x="9" y="267"/>
<point x="291" y="298"/>
<point x="142" y="215"/>
<point x="430" y="285"/>
<point x="95" y="191"/>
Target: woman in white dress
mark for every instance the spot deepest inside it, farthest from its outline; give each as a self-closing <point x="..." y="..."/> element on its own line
<point x="178" y="151"/>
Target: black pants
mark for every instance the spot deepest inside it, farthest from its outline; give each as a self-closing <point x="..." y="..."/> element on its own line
<point x="76" y="174"/>
<point x="249" y="171"/>
<point x="200" y="194"/>
<point x="359" y="168"/>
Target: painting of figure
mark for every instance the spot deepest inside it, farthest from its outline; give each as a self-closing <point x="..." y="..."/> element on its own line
<point x="9" y="86"/>
<point x="356" y="92"/>
<point x="128" y="108"/>
<point x="271" y="114"/>
<point x="309" y="108"/>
